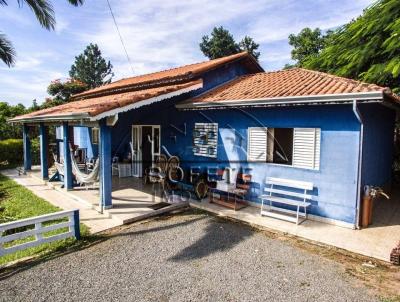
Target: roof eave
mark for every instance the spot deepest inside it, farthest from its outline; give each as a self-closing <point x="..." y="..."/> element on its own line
<point x="377" y="96"/>
<point x="51" y="119"/>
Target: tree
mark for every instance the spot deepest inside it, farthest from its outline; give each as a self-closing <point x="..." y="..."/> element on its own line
<point x="308" y="43"/>
<point x="43" y="10"/>
<point x="223" y="44"/>
<point x="35" y="106"/>
<point x="220" y="44"/>
<point x="248" y="44"/>
<point x="367" y="49"/>
<point x="91" y="68"/>
<point x="62" y="91"/>
<point x="8" y="111"/>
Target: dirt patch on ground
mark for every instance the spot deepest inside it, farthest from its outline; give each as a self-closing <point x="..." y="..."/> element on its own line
<point x="382" y="278"/>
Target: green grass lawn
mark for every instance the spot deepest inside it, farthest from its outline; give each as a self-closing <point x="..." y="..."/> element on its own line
<point x="17" y="202"/>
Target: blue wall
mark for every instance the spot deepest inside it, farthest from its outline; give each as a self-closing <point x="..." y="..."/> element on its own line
<point x="379" y="123"/>
<point x="335" y="182"/>
<point x="82" y="138"/>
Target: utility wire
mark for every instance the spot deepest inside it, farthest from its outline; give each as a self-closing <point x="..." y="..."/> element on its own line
<point x="120" y="37"/>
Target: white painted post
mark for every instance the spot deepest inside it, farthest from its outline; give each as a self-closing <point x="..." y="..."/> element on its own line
<point x="38" y="235"/>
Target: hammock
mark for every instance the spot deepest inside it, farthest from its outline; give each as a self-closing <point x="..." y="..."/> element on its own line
<point x="83" y="178"/>
<point x="59" y="166"/>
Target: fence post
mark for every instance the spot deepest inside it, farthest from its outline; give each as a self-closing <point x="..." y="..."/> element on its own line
<point x="77" y="229"/>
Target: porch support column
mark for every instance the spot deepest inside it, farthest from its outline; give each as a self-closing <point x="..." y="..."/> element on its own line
<point x="27" y="148"/>
<point x="67" y="157"/>
<point x="105" y="165"/>
<point x="43" y="151"/>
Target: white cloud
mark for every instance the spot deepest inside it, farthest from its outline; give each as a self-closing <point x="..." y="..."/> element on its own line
<point x="161" y="34"/>
<point x="296" y="15"/>
<point x="25" y="88"/>
<point x="62" y="25"/>
<point x="158" y="35"/>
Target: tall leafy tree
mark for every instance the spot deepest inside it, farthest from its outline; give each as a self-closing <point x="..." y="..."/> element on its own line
<point x="91" y="68"/>
<point x="221" y="44"/>
<point x="248" y="44"/>
<point x="307" y="44"/>
<point x="43" y="10"/>
<point x="367" y="48"/>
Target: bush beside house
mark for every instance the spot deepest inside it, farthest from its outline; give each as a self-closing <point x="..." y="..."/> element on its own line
<point x="11" y="152"/>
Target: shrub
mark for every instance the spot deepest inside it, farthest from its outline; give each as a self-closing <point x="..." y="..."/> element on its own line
<point x="11" y="152"/>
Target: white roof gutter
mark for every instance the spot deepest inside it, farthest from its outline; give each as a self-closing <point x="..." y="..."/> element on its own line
<point x="360" y="161"/>
<point x="377" y="96"/>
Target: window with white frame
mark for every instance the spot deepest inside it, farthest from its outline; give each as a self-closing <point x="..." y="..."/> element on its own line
<point x="205" y="139"/>
<point x="297" y="147"/>
<point x="95" y="136"/>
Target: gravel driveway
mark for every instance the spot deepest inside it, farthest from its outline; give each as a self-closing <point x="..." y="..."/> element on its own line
<point x="192" y="257"/>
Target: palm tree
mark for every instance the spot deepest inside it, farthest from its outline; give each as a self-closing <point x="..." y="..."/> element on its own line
<point x="43" y="10"/>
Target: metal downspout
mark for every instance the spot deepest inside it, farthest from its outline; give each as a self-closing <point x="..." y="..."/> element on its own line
<point x="359" y="118"/>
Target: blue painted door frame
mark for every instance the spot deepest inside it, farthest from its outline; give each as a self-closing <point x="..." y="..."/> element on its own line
<point x="27" y="148"/>
<point x="43" y="151"/>
<point x="67" y="158"/>
<point x="105" y="165"/>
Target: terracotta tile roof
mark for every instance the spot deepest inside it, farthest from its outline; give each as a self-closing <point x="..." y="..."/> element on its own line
<point x="173" y="75"/>
<point x="286" y="83"/>
<point x="98" y="105"/>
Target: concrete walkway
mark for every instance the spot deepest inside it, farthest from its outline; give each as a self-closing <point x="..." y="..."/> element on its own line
<point x="94" y="220"/>
<point x="376" y="241"/>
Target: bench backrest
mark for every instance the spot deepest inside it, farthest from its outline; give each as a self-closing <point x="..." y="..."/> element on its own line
<point x="289" y="188"/>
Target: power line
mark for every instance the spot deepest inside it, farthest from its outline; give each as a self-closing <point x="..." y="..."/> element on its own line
<point x="120" y="36"/>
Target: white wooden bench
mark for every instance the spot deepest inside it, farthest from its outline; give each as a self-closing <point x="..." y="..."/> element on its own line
<point x="286" y="192"/>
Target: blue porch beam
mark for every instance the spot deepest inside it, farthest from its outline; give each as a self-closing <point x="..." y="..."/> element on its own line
<point x="43" y="151"/>
<point x="27" y="148"/>
<point x="67" y="157"/>
<point x="105" y="165"/>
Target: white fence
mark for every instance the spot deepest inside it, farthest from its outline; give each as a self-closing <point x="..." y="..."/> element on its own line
<point x="38" y="231"/>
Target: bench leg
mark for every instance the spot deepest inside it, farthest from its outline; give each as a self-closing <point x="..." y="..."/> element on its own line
<point x="297" y="215"/>
<point x="262" y="205"/>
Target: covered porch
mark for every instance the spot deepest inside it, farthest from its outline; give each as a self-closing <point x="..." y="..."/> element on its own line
<point x="132" y="199"/>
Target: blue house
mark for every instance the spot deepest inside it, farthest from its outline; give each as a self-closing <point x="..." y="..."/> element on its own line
<point x="295" y="124"/>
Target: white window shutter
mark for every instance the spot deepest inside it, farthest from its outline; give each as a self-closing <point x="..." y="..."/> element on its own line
<point x="306" y="147"/>
<point x="257" y="144"/>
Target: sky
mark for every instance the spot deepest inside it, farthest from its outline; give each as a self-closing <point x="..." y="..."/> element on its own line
<point x="158" y="34"/>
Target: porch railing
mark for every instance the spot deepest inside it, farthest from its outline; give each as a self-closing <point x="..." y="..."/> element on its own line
<point x="32" y="231"/>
